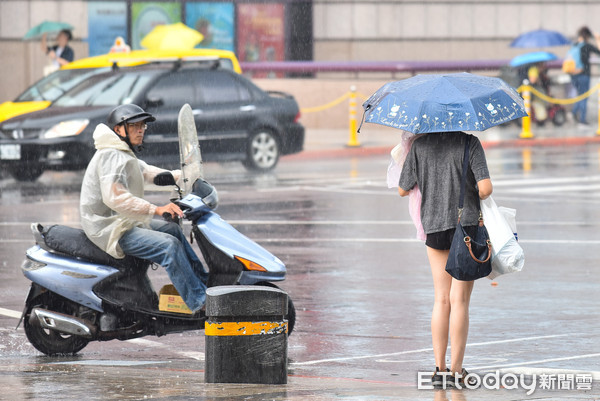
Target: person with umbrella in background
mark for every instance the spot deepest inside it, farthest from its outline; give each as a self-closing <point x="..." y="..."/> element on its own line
<point x="577" y="64"/>
<point x="61" y="53"/>
<point x="439" y="108"/>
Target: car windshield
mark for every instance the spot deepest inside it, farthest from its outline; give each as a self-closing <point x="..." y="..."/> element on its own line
<point x="56" y="84"/>
<point x="107" y="90"/>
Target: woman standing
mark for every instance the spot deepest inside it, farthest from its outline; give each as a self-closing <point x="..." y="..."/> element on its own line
<point x="61" y="53"/>
<point x="580" y="77"/>
<point x="434" y="163"/>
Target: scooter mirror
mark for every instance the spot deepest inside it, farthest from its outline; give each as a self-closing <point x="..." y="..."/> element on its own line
<point x="165" y="178"/>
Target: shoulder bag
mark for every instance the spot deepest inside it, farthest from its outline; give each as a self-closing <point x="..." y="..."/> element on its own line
<point x="470" y="254"/>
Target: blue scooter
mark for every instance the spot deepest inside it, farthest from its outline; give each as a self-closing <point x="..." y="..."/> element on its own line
<point x="80" y="294"/>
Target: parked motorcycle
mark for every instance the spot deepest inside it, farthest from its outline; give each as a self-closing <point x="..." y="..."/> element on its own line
<point x="80" y="294"/>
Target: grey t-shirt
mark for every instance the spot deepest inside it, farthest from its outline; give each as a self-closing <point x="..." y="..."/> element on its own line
<point x="434" y="162"/>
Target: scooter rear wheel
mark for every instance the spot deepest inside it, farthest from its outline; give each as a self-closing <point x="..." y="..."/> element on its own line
<point x="291" y="316"/>
<point x="51" y="342"/>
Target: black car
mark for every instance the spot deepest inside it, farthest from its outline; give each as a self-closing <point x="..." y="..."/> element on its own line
<point x="235" y="120"/>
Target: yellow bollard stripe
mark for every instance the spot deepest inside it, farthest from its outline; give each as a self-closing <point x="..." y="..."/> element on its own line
<point x="244" y="328"/>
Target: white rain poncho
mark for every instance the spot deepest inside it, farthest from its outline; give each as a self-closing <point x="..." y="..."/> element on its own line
<point x="112" y="192"/>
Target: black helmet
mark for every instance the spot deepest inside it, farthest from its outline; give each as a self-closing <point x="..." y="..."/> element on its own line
<point x="128" y="113"/>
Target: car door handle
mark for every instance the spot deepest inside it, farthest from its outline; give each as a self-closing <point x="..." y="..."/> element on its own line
<point x="249" y="107"/>
<point x="197" y="112"/>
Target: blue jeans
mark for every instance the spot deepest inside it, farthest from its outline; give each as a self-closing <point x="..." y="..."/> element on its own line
<point x="581" y="82"/>
<point x="166" y="245"/>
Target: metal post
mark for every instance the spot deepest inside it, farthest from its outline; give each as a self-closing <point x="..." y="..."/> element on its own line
<point x="353" y="141"/>
<point x="526" y="125"/>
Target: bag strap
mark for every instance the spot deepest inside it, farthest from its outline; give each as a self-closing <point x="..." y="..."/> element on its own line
<point x="463" y="179"/>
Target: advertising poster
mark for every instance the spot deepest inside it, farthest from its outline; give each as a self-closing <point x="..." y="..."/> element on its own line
<point x="260" y="35"/>
<point x="107" y="20"/>
<point x="146" y="15"/>
<point x="214" y="21"/>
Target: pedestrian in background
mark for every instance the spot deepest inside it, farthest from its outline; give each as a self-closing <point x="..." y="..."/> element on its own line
<point x="61" y="53"/>
<point x="434" y="163"/>
<point x="580" y="69"/>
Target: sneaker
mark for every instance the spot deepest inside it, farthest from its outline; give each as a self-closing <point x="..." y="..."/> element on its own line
<point x="583" y="125"/>
<point x="458" y="381"/>
<point x="437" y="380"/>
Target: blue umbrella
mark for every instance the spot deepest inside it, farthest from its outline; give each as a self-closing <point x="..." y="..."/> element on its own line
<point x="540" y="38"/>
<point x="46" y="27"/>
<point x="533" y="57"/>
<point x="444" y="103"/>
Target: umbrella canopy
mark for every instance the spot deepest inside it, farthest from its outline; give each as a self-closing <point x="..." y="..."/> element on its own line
<point x="540" y="38"/>
<point x="46" y="27"/>
<point x="444" y="103"/>
<point x="533" y="57"/>
<point x="172" y="36"/>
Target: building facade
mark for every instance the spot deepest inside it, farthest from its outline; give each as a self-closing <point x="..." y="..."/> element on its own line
<point x="328" y="30"/>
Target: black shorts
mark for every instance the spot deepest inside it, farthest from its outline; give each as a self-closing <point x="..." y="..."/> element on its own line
<point x="442" y="240"/>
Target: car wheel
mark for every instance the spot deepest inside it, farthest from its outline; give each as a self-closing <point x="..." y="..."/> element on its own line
<point x="26" y="173"/>
<point x="263" y="151"/>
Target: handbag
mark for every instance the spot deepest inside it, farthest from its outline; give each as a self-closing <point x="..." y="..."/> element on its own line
<point x="507" y="254"/>
<point x="471" y="250"/>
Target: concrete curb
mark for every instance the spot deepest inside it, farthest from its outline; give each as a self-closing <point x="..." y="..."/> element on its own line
<point x="365" y="151"/>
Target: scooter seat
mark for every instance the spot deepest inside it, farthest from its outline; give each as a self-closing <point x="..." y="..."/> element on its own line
<point x="73" y="242"/>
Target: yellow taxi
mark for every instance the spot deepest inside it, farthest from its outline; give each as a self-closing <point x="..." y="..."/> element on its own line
<point x="42" y="93"/>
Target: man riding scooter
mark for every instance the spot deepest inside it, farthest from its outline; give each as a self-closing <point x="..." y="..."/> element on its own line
<point x="119" y="221"/>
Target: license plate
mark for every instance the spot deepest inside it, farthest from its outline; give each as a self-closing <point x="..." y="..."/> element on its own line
<point x="10" y="151"/>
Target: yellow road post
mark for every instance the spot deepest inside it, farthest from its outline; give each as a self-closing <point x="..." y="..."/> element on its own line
<point x="353" y="141"/>
<point x="526" y="121"/>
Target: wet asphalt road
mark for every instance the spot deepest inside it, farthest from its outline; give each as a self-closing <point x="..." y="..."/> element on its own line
<point x="359" y="280"/>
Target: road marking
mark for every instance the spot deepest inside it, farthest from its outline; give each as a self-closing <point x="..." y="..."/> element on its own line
<point x="413" y="240"/>
<point x="199" y="356"/>
<point x="517" y="364"/>
<point x="373" y="356"/>
<point x="555" y="188"/>
<point x="586" y="223"/>
<point x="545" y="181"/>
<point x="96" y="362"/>
<point x="10" y="313"/>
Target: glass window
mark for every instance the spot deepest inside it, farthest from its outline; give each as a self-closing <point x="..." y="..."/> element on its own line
<point x="174" y="89"/>
<point x="57" y="83"/>
<point x="220" y="87"/>
<point x="107" y="90"/>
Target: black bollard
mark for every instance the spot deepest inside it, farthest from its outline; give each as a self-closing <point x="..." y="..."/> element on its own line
<point x="246" y="335"/>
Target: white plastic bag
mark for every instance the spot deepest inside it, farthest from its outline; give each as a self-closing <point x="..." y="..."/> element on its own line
<point x="507" y="254"/>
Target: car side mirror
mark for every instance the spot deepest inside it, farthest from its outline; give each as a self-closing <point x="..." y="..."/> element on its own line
<point x="154" y="101"/>
<point x="165" y="178"/>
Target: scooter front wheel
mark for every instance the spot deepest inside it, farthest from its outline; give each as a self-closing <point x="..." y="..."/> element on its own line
<point x="291" y="316"/>
<point x="51" y="342"/>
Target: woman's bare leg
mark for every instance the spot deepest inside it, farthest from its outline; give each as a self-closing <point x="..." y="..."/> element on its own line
<point x="440" y="316"/>
<point x="460" y="296"/>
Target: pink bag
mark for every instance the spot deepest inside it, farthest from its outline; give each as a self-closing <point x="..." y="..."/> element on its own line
<point x="393" y="176"/>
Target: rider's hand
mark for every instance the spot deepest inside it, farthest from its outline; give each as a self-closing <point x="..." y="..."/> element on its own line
<point x="170" y="208"/>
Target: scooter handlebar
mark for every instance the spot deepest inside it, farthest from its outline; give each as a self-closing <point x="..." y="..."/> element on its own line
<point x="168" y="217"/>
